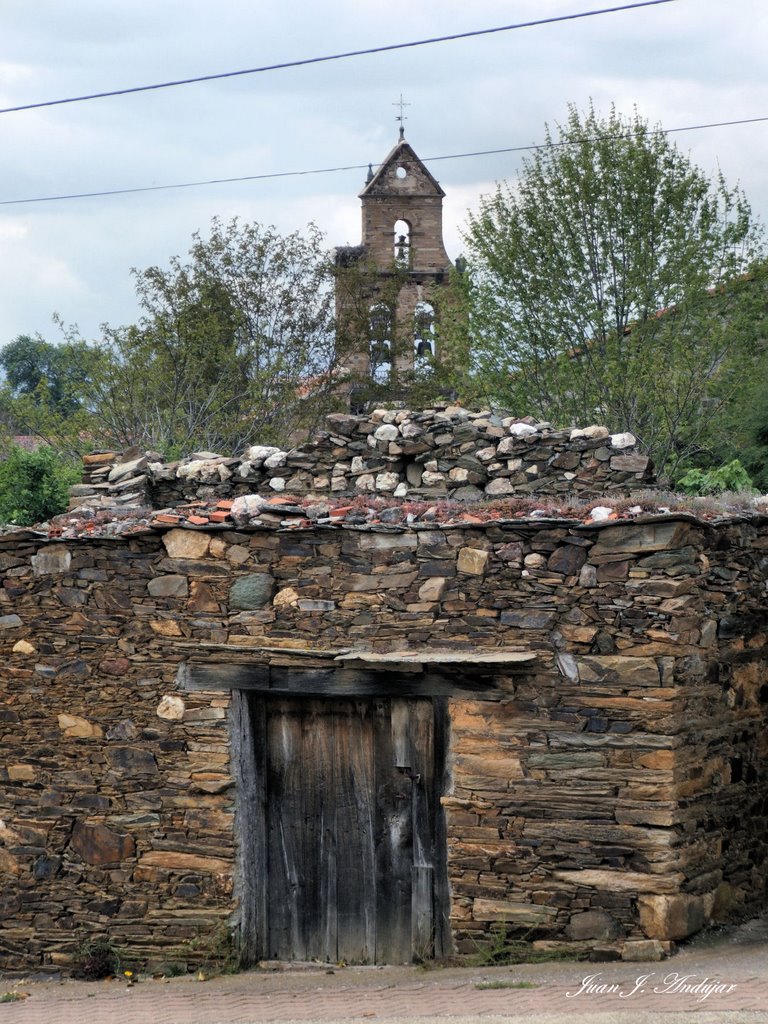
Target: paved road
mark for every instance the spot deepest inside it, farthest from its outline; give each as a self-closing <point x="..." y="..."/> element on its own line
<point x="729" y="968"/>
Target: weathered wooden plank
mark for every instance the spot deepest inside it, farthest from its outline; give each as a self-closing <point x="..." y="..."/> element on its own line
<point x="246" y="731"/>
<point x="441" y="784"/>
<point x="422" y="917"/>
<point x="423" y="810"/>
<point x="394" y="844"/>
<point x="451" y="658"/>
<point x="333" y="682"/>
<point x="317" y="827"/>
<point x="224" y="676"/>
<point x="354" y="779"/>
<point x="287" y="885"/>
<point x="401" y="737"/>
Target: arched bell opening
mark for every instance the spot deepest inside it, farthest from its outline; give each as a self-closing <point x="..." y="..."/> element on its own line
<point x="402" y="243"/>
<point x="380" y="343"/>
<point x="423" y="332"/>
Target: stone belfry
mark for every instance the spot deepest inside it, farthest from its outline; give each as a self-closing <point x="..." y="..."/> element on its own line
<point x="400" y="271"/>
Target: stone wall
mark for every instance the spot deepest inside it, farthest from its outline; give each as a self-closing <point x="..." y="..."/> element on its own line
<point x="611" y="791"/>
<point x="440" y="453"/>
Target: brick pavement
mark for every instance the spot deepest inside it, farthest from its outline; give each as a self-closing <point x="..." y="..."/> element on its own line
<point x="735" y="962"/>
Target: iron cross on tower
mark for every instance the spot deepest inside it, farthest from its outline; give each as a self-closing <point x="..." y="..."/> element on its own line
<point x="401" y="116"/>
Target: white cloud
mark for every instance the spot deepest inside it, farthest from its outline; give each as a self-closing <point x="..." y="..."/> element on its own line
<point x="681" y="63"/>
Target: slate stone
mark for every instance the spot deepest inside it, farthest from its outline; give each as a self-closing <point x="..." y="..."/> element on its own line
<point x="310" y="605"/>
<point x="51" y="560"/>
<point x="609" y="571"/>
<point x="468" y="493"/>
<point x="46" y="867"/>
<point x="567" y="559"/>
<point x="115" y="666"/>
<point x="472" y="561"/>
<point x="123" y="730"/>
<point x="593" y="924"/>
<point x="132" y="759"/>
<point x="249" y="593"/>
<point x="186" y="544"/>
<point x="168" y="586"/>
<point x="522" y="619"/>
<point x="72" y="598"/>
<point x="612" y="670"/>
<point x="97" y="844"/>
<point x="202" y="599"/>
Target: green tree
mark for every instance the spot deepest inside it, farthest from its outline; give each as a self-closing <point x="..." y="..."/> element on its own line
<point x="34" y="485"/>
<point x="236" y="345"/>
<point x="609" y="286"/>
<point x="46" y="391"/>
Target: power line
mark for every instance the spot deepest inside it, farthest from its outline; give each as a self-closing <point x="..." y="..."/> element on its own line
<point x="362" y="167"/>
<point x="334" y="56"/>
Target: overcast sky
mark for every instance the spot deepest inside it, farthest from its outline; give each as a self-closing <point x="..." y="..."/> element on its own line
<point x="681" y="63"/>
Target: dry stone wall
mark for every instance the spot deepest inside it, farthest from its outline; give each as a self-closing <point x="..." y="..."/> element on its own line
<point x="440" y="453"/>
<point x="611" y="793"/>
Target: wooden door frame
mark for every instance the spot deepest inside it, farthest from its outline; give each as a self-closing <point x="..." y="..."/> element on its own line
<point x="248" y="757"/>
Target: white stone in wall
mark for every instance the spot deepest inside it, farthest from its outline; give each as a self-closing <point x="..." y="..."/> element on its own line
<point x="275" y="460"/>
<point x="432" y="479"/>
<point x="277" y="483"/>
<point x="387" y="481"/>
<point x="386" y="432"/>
<point x="600" y="513"/>
<point x="486" y="454"/>
<point x="257" y="453"/>
<point x="410" y="430"/>
<point x="594" y="431"/>
<point x="499" y="486"/>
<point x="522" y="430"/>
<point x="170" y="708"/>
<point x="247" y="505"/>
<point x="623" y="440"/>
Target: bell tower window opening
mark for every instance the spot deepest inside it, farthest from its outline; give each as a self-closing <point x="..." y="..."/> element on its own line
<point x="380" y="343"/>
<point x="423" y="332"/>
<point x="402" y="242"/>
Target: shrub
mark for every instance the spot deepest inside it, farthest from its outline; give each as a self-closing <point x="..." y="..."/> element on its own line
<point x="95" y="959"/>
<point x="730" y="477"/>
<point x="34" y="485"/>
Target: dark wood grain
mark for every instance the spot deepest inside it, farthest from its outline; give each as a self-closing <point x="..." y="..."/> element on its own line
<point x="345" y="805"/>
<point x="337" y="682"/>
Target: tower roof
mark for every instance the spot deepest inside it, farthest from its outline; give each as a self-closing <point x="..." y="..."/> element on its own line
<point x="416" y="181"/>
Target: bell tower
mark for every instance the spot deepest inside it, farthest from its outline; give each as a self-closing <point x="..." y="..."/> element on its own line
<point x="404" y="266"/>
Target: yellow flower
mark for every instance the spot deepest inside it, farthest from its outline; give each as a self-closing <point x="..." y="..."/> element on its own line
<point x="128" y="974"/>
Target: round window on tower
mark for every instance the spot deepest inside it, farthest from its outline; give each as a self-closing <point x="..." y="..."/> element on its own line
<point x="401" y="173"/>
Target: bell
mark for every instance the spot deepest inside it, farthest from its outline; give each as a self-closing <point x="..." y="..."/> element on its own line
<point x="423" y="348"/>
<point x="380" y="352"/>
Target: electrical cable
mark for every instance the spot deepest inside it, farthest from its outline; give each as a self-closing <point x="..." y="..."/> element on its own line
<point x="362" y="167"/>
<point x="332" y="57"/>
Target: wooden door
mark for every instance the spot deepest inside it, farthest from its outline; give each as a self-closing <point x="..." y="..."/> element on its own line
<point x="349" y="798"/>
